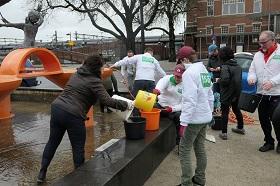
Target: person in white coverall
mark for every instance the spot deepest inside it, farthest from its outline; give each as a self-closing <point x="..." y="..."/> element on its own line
<point x="169" y="91"/>
<point x="196" y="114"/>
<point x="265" y="73"/>
<point x="128" y="71"/>
<point x="146" y="68"/>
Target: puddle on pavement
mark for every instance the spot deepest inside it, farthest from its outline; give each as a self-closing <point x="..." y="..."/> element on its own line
<point x="24" y="137"/>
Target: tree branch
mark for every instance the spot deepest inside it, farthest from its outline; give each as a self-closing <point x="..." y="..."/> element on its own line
<point x="157" y="28"/>
<point x="4" y="19"/>
<point x="120" y="37"/>
<point x="116" y="10"/>
<point x="151" y="18"/>
<point x="2" y="2"/>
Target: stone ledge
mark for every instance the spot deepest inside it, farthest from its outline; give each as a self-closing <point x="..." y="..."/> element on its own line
<point x="126" y="162"/>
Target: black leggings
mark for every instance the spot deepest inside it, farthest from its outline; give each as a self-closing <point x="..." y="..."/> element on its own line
<point x="62" y="121"/>
<point x="236" y="111"/>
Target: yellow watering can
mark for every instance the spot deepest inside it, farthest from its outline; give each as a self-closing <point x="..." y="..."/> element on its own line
<point x="145" y="100"/>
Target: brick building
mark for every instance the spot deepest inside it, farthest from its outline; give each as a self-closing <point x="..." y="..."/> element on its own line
<point x="234" y="23"/>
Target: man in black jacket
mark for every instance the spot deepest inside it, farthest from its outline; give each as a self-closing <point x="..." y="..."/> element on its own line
<point x="230" y="87"/>
<point x="214" y="65"/>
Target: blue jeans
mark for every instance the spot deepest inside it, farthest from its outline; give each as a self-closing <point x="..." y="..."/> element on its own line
<point x="62" y="121"/>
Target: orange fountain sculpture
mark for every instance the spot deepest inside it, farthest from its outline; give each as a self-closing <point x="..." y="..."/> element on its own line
<point x="13" y="69"/>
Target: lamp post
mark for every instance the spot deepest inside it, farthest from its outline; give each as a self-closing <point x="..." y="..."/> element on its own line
<point x="70" y="44"/>
<point x="200" y="32"/>
<point x="269" y="9"/>
<point x="142" y="27"/>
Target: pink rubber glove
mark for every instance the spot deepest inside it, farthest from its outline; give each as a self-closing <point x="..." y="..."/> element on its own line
<point x="182" y="130"/>
<point x="156" y="91"/>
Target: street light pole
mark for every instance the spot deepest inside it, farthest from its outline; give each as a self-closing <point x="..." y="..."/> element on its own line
<point x="142" y="27"/>
<point x="269" y="9"/>
<point x="200" y="44"/>
<point x="70" y="42"/>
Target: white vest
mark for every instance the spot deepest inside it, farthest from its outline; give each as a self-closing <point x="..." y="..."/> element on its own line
<point x="198" y="99"/>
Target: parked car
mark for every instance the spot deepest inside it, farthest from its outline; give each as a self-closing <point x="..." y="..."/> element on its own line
<point x="244" y="59"/>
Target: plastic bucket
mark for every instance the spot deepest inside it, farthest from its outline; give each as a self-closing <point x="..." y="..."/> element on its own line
<point x="123" y="114"/>
<point x="152" y="118"/>
<point x="218" y="123"/>
<point x="145" y="100"/>
<point x="135" y="127"/>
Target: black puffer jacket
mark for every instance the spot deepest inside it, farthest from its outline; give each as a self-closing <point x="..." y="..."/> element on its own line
<point x="230" y="81"/>
<point x="82" y="91"/>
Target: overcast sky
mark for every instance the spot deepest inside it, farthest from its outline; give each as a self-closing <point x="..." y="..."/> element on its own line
<point x="61" y="21"/>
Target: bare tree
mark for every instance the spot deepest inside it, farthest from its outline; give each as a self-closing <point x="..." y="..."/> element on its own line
<point x="171" y="10"/>
<point x="125" y="11"/>
<point x="2" y="2"/>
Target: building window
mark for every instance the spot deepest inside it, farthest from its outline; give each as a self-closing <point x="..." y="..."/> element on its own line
<point x="256" y="27"/>
<point x="233" y="7"/>
<point x="210" y="7"/>
<point x="239" y="28"/>
<point x="257" y="6"/>
<point x="224" y="29"/>
<point x="240" y="34"/>
<point x="209" y="30"/>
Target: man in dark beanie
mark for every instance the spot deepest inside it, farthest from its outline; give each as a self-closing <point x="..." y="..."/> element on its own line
<point x="69" y="110"/>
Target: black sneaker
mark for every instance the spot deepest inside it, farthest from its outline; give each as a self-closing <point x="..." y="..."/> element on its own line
<point x="238" y="131"/>
<point x="223" y="136"/>
<point x="278" y="148"/>
<point x="196" y="183"/>
<point x="266" y="147"/>
<point x="42" y="176"/>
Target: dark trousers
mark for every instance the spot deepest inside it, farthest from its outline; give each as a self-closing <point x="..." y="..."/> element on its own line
<point x="145" y="85"/>
<point x="265" y="110"/>
<point x="174" y="117"/>
<point x="62" y="121"/>
<point x="225" y="111"/>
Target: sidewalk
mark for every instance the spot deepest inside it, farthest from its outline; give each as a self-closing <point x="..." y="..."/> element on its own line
<point x="167" y="67"/>
<point x="235" y="162"/>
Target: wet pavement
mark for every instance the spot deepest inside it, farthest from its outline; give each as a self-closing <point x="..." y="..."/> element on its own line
<point x="24" y="137"/>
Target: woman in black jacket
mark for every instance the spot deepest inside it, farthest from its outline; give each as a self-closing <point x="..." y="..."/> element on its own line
<point x="69" y="110"/>
<point x="230" y="87"/>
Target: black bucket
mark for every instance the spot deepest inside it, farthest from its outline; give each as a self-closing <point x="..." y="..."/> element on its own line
<point x="218" y="123"/>
<point x="135" y="127"/>
<point x="248" y="102"/>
